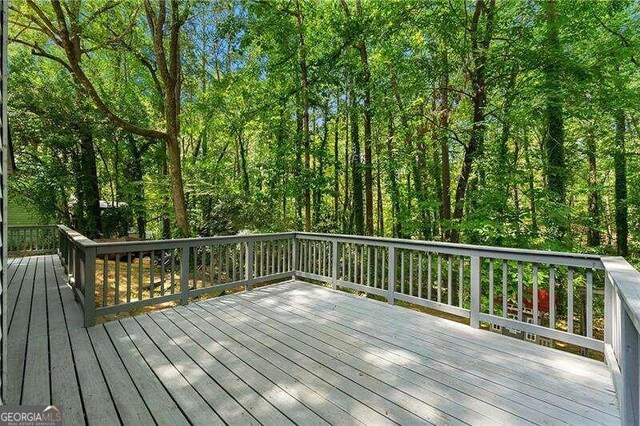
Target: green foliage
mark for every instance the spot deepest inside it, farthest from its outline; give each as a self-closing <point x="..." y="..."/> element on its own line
<point x="553" y="89"/>
<point x="116" y="221"/>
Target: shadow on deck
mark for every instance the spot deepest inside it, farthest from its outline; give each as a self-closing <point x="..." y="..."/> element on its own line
<point x="286" y="353"/>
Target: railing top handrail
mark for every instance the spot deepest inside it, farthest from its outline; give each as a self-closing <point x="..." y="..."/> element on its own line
<point x="77" y="237"/>
<point x="517" y="254"/>
<point x="145" y="245"/>
<point x="626" y="279"/>
<point x="199" y="239"/>
<point x="83" y="241"/>
<point x="542" y="256"/>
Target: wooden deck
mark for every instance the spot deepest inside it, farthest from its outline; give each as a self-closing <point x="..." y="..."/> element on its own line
<point x="287" y="353"/>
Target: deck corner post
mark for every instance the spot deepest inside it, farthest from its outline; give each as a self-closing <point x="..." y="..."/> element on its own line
<point x="628" y="395"/>
<point x="608" y="308"/>
<point x="248" y="265"/>
<point x="294" y="270"/>
<point x="334" y="264"/>
<point x="474" y="311"/>
<point x="59" y="253"/>
<point x="391" y="284"/>
<point x="89" y="279"/>
<point x="70" y="269"/>
<point x="184" y="274"/>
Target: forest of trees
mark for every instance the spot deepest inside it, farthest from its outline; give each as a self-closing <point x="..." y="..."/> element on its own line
<point x="512" y="123"/>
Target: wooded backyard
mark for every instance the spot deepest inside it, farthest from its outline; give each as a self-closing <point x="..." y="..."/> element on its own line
<point x="504" y="123"/>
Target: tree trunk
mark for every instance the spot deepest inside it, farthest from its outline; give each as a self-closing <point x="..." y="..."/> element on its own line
<point x="445" y="167"/>
<point x="177" y="185"/>
<point x="554" y="131"/>
<point x="368" y="113"/>
<point x="480" y="45"/>
<point x="320" y="183"/>
<point x="380" y="203"/>
<point x="304" y="84"/>
<point x="532" y="189"/>
<point x="503" y="172"/>
<point x="419" y="170"/>
<point x="298" y="172"/>
<point x="356" y="173"/>
<point x="336" y="167"/>
<point x="396" y="203"/>
<point x="134" y="175"/>
<point x="92" y="224"/>
<point x="593" y="233"/>
<point x="346" y="216"/>
<point x="243" y="165"/>
<point x="620" y="168"/>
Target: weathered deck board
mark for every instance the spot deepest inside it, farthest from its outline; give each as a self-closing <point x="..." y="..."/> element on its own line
<point x="64" y="382"/>
<point x="213" y="393"/>
<point x="96" y="400"/>
<point x="334" y="370"/>
<point x="450" y="368"/>
<point x="278" y="372"/>
<point x="292" y="353"/>
<point x="237" y="388"/>
<point x="37" y="380"/>
<point x="128" y="401"/>
<point x="195" y="341"/>
<point x="19" y="332"/>
<point x="161" y="405"/>
<point x="189" y="399"/>
<point x="490" y="367"/>
<point x="444" y="391"/>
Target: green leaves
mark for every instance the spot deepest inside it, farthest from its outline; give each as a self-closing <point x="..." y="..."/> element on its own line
<point x="241" y="115"/>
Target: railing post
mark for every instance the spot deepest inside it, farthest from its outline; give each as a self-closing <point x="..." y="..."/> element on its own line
<point x="629" y="370"/>
<point x="391" y="284"/>
<point x="75" y="277"/>
<point x="608" y="308"/>
<point x="334" y="264"/>
<point x="70" y="260"/>
<point x="56" y="237"/>
<point x="248" y="265"/>
<point x="184" y="274"/>
<point x="295" y="257"/>
<point x="474" y="311"/>
<point x="89" y="286"/>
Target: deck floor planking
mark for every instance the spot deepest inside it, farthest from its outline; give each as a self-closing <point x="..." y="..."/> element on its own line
<point x="291" y="353"/>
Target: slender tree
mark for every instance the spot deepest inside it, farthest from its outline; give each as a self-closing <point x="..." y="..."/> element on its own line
<point x="620" y="168"/>
<point x="480" y="41"/>
<point x="554" y="115"/>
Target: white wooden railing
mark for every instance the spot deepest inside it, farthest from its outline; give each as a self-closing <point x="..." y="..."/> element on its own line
<point x="588" y="301"/>
<point x="488" y="284"/>
<point x="114" y="277"/>
<point x="622" y="328"/>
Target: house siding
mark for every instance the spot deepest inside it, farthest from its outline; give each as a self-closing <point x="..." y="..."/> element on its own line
<point x="3" y="194"/>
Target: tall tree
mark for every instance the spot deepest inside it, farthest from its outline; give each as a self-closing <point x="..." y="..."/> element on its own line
<point x="70" y="30"/>
<point x="620" y="169"/>
<point x="554" y="116"/>
<point x="593" y="233"/>
<point x="480" y="41"/>
<point x="360" y="45"/>
<point x="356" y="170"/>
<point x="445" y="167"/>
<point x="304" y="86"/>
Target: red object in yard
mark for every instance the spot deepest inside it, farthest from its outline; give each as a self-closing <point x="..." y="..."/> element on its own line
<point x="543" y="301"/>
